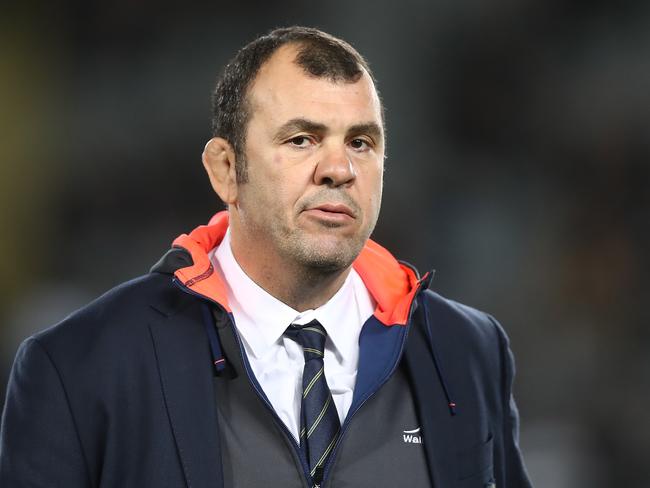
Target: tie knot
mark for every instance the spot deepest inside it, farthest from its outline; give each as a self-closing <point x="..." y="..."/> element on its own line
<point x="311" y="337"/>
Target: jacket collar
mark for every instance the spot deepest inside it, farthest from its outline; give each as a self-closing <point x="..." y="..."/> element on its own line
<point x="186" y="379"/>
<point x="393" y="285"/>
<point x="439" y="430"/>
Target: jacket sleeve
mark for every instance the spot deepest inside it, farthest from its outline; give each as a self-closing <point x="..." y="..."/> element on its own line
<point x="39" y="443"/>
<point x="512" y="465"/>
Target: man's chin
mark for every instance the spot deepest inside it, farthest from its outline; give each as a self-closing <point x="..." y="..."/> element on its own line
<point x="330" y="255"/>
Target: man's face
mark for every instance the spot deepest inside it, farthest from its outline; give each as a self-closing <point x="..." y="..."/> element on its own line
<point x="315" y="152"/>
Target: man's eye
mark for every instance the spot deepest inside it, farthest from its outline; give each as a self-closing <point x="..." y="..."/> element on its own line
<point x="359" y="144"/>
<point x="300" y="141"/>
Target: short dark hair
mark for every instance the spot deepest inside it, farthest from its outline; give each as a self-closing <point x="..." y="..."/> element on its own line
<point x="319" y="54"/>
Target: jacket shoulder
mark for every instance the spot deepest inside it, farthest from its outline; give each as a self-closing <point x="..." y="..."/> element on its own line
<point x="118" y="317"/>
<point x="449" y="316"/>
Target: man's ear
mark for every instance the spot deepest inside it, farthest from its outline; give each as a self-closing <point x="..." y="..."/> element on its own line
<point x="219" y="162"/>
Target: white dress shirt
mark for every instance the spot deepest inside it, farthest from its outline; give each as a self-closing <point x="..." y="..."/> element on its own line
<point x="278" y="361"/>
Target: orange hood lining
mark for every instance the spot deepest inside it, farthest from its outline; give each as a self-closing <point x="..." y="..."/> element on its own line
<point x="392" y="284"/>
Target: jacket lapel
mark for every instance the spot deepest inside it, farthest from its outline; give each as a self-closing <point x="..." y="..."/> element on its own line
<point x="436" y="421"/>
<point x="185" y="368"/>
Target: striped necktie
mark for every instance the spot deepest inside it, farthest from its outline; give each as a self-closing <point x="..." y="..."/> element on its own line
<point x="319" y="421"/>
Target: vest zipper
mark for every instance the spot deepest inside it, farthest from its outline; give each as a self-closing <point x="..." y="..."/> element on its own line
<point x="350" y="415"/>
<point x="262" y="396"/>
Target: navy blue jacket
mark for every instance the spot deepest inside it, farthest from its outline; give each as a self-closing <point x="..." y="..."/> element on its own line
<point x="120" y="394"/>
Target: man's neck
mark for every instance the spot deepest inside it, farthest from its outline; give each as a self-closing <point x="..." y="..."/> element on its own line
<point x="299" y="287"/>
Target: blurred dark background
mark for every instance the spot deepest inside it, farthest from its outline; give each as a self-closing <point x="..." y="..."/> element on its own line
<point x="518" y="168"/>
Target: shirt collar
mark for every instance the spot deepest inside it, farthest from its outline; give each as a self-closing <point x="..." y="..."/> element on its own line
<point x="337" y="316"/>
<point x="262" y="318"/>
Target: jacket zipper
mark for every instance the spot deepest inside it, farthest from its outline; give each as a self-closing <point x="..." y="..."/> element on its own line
<point x="277" y="419"/>
<point x="250" y="375"/>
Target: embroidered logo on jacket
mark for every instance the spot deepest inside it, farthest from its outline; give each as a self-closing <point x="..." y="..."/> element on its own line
<point x="412" y="436"/>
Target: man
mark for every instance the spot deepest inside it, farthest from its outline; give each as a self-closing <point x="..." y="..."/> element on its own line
<point x="278" y="345"/>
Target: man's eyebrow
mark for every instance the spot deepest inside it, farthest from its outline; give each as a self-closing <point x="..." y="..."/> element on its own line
<point x="370" y="128"/>
<point x="298" y="125"/>
<point x="305" y="125"/>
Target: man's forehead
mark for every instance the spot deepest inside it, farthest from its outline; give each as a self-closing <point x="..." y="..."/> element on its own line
<point x="282" y="84"/>
<point x="284" y="57"/>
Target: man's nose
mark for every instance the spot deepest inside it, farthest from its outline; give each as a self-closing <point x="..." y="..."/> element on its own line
<point x="335" y="168"/>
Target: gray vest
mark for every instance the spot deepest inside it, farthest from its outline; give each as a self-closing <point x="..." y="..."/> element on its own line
<point x="380" y="447"/>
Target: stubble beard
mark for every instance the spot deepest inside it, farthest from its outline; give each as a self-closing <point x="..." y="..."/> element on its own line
<point x="316" y="257"/>
<point x="318" y="253"/>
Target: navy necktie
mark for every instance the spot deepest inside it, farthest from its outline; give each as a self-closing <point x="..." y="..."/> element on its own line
<point x="319" y="421"/>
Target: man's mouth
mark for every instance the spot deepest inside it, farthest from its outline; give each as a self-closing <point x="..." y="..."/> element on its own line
<point x="335" y="213"/>
<point x="335" y="208"/>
